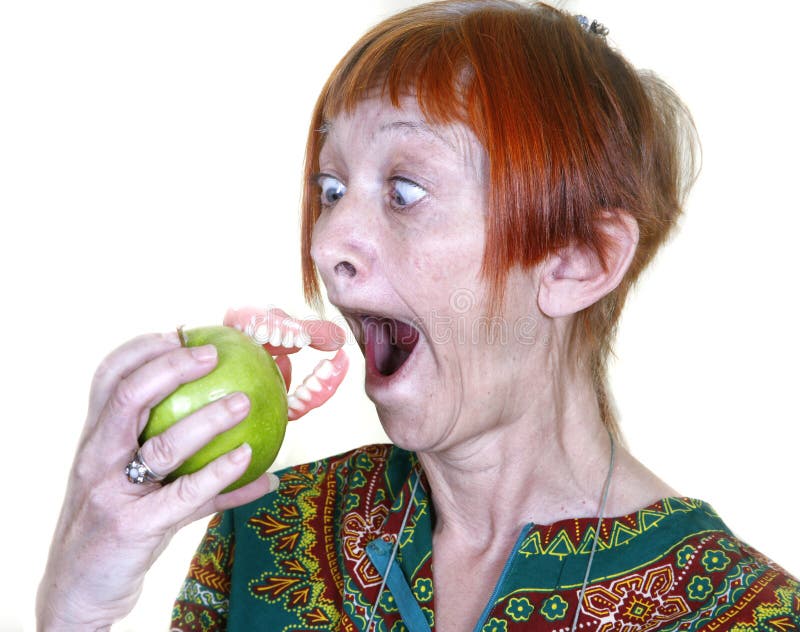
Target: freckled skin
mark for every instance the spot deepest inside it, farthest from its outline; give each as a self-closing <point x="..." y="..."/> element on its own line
<point x="507" y="430"/>
<point x="421" y="263"/>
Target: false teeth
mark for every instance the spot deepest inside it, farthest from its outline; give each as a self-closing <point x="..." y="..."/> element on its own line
<point x="261" y="334"/>
<point x="287" y="332"/>
<point x="316" y="389"/>
<point x="324" y="370"/>
<point x="303" y="393"/>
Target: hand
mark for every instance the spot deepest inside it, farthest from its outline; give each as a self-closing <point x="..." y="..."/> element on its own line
<point x="111" y="531"/>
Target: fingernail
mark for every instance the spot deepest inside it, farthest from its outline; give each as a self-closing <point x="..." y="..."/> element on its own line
<point x="236" y="402"/>
<point x="242" y="453"/>
<point x="204" y="353"/>
<point x="274" y="482"/>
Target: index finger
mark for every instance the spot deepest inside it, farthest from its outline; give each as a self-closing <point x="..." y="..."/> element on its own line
<point x="123" y="361"/>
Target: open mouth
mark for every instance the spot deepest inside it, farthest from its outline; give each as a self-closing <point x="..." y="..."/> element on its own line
<point x="388" y="343"/>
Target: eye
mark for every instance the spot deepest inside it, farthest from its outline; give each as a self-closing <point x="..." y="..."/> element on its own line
<point x="405" y="192"/>
<point x="331" y="190"/>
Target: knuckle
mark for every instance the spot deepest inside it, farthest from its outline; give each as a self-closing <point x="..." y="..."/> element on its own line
<point x="160" y="453"/>
<point x="175" y="360"/>
<point x="178" y="362"/>
<point x="125" y="394"/>
<point x="148" y="338"/>
<point x="110" y="366"/>
<point x="84" y="473"/>
<point x="105" y="370"/>
<point x="230" y="409"/>
<point x="187" y="490"/>
<point x="215" y="416"/>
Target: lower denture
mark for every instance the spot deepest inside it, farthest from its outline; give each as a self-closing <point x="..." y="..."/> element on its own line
<point x="319" y="386"/>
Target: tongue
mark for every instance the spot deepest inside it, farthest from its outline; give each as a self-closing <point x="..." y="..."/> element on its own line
<point x="390" y="342"/>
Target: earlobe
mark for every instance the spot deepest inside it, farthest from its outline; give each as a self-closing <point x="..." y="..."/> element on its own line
<point x="574" y="278"/>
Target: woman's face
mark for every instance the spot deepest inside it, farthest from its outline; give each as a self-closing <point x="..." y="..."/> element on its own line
<point x="399" y="242"/>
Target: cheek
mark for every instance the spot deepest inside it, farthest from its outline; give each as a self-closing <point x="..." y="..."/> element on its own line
<point x="449" y="261"/>
<point x="316" y="239"/>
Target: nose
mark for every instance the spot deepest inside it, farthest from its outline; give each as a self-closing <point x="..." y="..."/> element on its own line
<point x="343" y="246"/>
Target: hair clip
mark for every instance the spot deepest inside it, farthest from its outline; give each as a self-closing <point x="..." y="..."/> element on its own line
<point x="595" y="27"/>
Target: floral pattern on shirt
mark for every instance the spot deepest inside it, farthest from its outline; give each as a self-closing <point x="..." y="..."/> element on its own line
<point x="296" y="560"/>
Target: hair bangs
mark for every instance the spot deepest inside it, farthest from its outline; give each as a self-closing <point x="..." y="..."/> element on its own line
<point x="431" y="67"/>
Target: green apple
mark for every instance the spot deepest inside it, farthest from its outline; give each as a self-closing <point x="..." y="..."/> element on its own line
<point x="242" y="366"/>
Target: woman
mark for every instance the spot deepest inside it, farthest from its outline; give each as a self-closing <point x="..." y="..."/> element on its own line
<point x="485" y="183"/>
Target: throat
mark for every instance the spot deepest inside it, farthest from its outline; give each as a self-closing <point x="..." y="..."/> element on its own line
<point x="465" y="583"/>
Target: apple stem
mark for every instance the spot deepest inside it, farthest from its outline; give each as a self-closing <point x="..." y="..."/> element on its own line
<point x="181" y="337"/>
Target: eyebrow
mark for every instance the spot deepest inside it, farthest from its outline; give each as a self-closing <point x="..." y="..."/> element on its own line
<point x="417" y="127"/>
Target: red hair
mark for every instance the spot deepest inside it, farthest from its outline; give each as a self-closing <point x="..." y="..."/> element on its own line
<point x="569" y="127"/>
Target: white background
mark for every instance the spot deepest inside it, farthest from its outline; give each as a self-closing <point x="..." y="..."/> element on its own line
<point x="150" y="166"/>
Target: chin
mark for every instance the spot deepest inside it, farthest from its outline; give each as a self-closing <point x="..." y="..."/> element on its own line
<point x="402" y="430"/>
<point x="407" y="431"/>
<point x="413" y="431"/>
<point x="401" y="378"/>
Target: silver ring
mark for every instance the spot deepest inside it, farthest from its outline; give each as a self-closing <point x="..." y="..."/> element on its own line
<point x="138" y="472"/>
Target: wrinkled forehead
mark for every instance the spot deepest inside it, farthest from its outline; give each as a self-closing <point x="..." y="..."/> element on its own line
<point x="376" y="121"/>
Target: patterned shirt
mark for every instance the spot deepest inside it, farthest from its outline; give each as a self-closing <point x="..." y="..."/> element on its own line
<point x="311" y="557"/>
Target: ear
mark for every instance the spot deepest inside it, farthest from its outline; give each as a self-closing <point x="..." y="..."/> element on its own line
<point x="573" y="279"/>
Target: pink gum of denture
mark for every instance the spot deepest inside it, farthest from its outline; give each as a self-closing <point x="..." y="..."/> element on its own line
<point x="318" y="387"/>
<point x="282" y="335"/>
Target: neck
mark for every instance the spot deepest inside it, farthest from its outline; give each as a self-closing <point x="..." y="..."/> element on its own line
<point x="544" y="466"/>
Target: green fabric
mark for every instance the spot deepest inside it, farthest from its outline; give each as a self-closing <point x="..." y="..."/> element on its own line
<point x="297" y="560"/>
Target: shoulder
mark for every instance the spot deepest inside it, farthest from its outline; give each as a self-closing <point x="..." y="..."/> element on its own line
<point x="682" y="566"/>
<point x="731" y="585"/>
<point x="671" y="566"/>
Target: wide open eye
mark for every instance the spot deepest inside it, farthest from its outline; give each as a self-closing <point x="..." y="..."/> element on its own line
<point x="331" y="190"/>
<point x="405" y="192"/>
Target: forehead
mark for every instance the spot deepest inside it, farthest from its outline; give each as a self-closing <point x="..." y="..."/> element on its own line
<point x="375" y="122"/>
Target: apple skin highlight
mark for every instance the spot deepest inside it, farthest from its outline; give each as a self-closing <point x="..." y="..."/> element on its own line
<point x="242" y="366"/>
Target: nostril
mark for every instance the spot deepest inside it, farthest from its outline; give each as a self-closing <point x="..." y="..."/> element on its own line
<point x="346" y="268"/>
